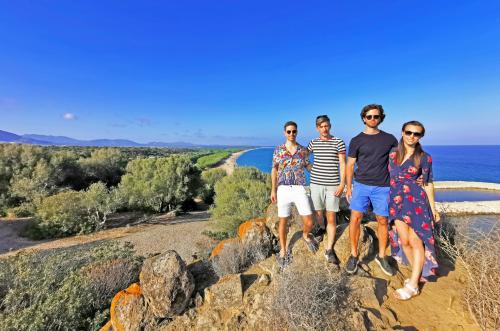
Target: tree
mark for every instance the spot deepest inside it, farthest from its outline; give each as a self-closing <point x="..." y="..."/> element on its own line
<point x="160" y="184"/>
<point x="240" y="197"/>
<point x="210" y="178"/>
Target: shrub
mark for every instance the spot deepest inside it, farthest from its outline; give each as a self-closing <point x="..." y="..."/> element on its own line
<point x="160" y="184"/>
<point x="477" y="254"/>
<point x="73" y="212"/>
<point x="65" y="289"/>
<point x="209" y="179"/>
<point x="308" y="296"/>
<point x="242" y="196"/>
<point x="236" y="256"/>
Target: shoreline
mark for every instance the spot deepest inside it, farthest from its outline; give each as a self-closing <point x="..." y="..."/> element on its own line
<point x="230" y="163"/>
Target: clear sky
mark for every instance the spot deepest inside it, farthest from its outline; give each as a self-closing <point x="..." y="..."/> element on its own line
<point x="232" y="72"/>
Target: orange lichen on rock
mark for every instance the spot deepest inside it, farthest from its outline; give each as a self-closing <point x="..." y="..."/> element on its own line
<point x="244" y="227"/>
<point x="107" y="327"/>
<point x="216" y="251"/>
<point x="122" y="299"/>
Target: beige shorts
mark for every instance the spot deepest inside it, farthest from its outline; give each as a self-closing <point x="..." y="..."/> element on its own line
<point x="296" y="194"/>
<point x="323" y="197"/>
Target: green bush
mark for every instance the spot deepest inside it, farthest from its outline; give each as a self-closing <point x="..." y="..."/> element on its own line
<point x="160" y="184"/>
<point x="64" y="289"/>
<point x="73" y="212"/>
<point x="240" y="197"/>
<point x="209" y="178"/>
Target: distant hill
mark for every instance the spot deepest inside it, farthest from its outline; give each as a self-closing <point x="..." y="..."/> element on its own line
<point x="38" y="139"/>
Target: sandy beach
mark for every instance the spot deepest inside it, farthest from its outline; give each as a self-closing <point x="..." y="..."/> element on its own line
<point x="230" y="163"/>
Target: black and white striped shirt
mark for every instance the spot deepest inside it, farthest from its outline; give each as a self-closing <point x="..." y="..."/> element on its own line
<point x="326" y="169"/>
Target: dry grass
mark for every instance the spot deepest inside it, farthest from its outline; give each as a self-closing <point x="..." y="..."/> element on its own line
<point x="237" y="256"/>
<point x="310" y="296"/>
<point x="478" y="254"/>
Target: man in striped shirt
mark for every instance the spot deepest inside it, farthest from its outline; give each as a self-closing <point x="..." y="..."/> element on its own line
<point x="327" y="179"/>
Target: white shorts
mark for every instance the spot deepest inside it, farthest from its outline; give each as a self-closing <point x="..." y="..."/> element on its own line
<point x="288" y="194"/>
<point x="323" y="197"/>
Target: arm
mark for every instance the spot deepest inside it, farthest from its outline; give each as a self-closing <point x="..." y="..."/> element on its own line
<point x="274" y="180"/>
<point x="349" y="174"/>
<point x="429" y="189"/>
<point x="342" y="166"/>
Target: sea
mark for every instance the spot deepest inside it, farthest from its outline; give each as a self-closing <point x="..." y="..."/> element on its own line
<point x="450" y="163"/>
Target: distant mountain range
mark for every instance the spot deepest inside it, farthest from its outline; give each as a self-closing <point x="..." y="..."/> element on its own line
<point x="38" y="139"/>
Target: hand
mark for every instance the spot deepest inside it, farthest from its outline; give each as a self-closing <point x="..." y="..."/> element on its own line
<point x="273" y="196"/>
<point x="420" y="181"/>
<point x="339" y="190"/>
<point x="348" y="194"/>
<point x="436" y="215"/>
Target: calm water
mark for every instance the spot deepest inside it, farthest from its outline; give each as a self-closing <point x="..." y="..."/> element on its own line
<point x="468" y="163"/>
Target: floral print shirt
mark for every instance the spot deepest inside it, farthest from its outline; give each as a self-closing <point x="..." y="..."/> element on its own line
<point x="291" y="167"/>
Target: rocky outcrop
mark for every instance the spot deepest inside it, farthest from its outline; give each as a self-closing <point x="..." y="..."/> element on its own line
<point x="227" y="292"/>
<point x="256" y="233"/>
<point x="166" y="284"/>
<point x="128" y="309"/>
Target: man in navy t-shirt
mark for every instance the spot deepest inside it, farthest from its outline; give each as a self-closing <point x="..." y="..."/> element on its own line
<point x="369" y="151"/>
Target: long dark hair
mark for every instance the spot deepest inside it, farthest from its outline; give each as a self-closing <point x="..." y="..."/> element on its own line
<point x="418" y="153"/>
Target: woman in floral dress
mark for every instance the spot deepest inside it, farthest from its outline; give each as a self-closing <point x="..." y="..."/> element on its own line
<point x="412" y="209"/>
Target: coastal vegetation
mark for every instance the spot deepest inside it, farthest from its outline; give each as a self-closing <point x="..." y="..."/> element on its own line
<point x="213" y="157"/>
<point x="65" y="289"/>
<point x="242" y="196"/>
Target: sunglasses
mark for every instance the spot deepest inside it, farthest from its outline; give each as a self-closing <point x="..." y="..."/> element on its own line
<point x="415" y="134"/>
<point x="375" y="117"/>
<point x="291" y="131"/>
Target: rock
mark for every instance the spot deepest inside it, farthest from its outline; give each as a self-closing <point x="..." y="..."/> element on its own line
<point x="107" y="327"/>
<point x="364" y="289"/>
<point x="358" y="321"/>
<point x="255" y="233"/>
<point x="167" y="284"/>
<point x="198" y="300"/>
<point x="224" y="243"/>
<point x="272" y="221"/>
<point x="366" y="243"/>
<point x="127" y="309"/>
<point x="264" y="279"/>
<point x="227" y="292"/>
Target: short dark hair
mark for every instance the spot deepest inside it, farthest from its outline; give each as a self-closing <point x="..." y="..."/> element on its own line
<point x="321" y="119"/>
<point x="290" y="123"/>
<point x="371" y="106"/>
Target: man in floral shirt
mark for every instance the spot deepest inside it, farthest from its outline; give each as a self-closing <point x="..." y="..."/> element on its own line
<point x="288" y="180"/>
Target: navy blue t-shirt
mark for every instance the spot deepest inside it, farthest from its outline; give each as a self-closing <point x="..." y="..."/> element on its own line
<point x="372" y="157"/>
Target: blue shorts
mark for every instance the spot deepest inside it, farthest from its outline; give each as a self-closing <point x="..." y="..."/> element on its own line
<point x="378" y="195"/>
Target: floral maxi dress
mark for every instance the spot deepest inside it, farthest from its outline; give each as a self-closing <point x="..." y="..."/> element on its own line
<point x="409" y="203"/>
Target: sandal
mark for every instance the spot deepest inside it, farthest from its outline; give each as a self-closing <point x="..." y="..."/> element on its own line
<point x="407" y="292"/>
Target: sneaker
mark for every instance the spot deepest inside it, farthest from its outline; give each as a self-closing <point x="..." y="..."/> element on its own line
<point x="331" y="257"/>
<point x="384" y="265"/>
<point x="281" y="261"/>
<point x="352" y="265"/>
<point x="312" y="244"/>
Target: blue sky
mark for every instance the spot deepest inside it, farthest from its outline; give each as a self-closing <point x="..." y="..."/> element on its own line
<point x="232" y="72"/>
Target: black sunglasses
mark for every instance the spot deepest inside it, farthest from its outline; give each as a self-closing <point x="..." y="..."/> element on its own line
<point x="369" y="117"/>
<point x="291" y="131"/>
<point x="415" y="134"/>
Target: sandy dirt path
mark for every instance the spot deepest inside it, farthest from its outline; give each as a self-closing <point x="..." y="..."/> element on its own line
<point x="182" y="233"/>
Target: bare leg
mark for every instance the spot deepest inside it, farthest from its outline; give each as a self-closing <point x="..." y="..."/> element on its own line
<point x="282" y="232"/>
<point x="382" y="234"/>
<point x="320" y="220"/>
<point x="308" y="225"/>
<point x="330" y="228"/>
<point x="404" y="237"/>
<point x="354" y="231"/>
<point x="418" y="258"/>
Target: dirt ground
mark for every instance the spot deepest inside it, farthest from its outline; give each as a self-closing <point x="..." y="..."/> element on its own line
<point x="182" y="233"/>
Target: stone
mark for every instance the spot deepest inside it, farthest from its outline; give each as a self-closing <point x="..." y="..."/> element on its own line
<point x="364" y="289"/>
<point x="255" y="233"/>
<point x="366" y="243"/>
<point x="264" y="279"/>
<point x="128" y="309"/>
<point x="198" y="300"/>
<point x="227" y="292"/>
<point x="224" y="243"/>
<point x="294" y="223"/>
<point x="167" y="284"/>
